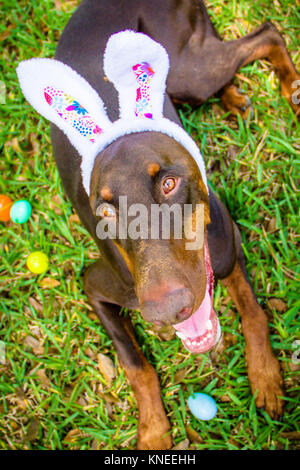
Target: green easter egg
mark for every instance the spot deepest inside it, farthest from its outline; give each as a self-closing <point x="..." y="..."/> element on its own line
<point x="20" y="211"/>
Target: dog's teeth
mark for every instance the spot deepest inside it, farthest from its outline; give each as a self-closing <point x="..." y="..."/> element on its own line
<point x="180" y="335"/>
<point x="208" y="325"/>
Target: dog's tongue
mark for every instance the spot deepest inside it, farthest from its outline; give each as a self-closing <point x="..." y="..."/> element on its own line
<point x="196" y="325"/>
<point x="202" y="330"/>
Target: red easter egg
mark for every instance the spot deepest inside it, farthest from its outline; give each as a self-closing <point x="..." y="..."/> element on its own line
<point x="5" y="205"/>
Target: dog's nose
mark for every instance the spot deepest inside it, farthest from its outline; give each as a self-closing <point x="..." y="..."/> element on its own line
<point x="173" y="307"/>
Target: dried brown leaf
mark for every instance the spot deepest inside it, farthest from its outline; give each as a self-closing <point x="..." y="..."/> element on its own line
<point x="74" y="219"/>
<point x="294" y="367"/>
<point x="106" y="367"/>
<point x="183" y="445"/>
<point x="225" y="398"/>
<point x="108" y="398"/>
<point x="21" y="399"/>
<point x="5" y="34"/>
<point x="82" y="401"/>
<point x="36" y="331"/>
<point x="55" y="204"/>
<point x="92" y="316"/>
<point x="65" y="5"/>
<point x="95" y="444"/>
<point x="271" y="226"/>
<point x="35" y="304"/>
<point x="90" y="353"/>
<point x="41" y="373"/>
<point x="292" y="435"/>
<point x="180" y="375"/>
<point x="14" y="144"/>
<point x="34" y="344"/>
<point x="73" y="435"/>
<point x="32" y="431"/>
<point x="92" y="254"/>
<point x="277" y="304"/>
<point x="49" y="282"/>
<point x="35" y="146"/>
<point x="193" y="435"/>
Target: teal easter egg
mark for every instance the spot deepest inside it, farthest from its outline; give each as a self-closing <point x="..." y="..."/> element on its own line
<point x="20" y="211"/>
<point x="202" y="406"/>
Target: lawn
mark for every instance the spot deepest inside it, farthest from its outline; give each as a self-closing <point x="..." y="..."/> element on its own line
<point x="53" y="394"/>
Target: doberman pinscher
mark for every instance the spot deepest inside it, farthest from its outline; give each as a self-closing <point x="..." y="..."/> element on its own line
<point x="160" y="278"/>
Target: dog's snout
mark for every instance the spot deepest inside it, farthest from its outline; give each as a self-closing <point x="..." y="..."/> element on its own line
<point x="172" y="307"/>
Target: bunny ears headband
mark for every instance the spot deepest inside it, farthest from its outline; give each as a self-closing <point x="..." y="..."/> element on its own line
<point x="138" y="68"/>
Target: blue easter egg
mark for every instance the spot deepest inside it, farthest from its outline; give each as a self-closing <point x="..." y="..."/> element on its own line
<point x="20" y="211"/>
<point x="202" y="406"/>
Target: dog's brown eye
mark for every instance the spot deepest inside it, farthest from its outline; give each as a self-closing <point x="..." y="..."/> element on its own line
<point x="168" y="184"/>
<point x="106" y="210"/>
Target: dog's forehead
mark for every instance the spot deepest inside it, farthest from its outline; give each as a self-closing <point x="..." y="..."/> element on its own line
<point x="139" y="159"/>
<point x="144" y="153"/>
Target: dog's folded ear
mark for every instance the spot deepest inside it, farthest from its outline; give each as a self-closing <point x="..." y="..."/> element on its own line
<point x="65" y="98"/>
<point x="138" y="67"/>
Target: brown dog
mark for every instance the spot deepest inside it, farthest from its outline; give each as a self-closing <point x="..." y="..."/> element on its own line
<point x="165" y="281"/>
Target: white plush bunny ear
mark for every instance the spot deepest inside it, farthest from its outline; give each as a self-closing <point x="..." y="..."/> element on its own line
<point x="138" y="67"/>
<point x="59" y="94"/>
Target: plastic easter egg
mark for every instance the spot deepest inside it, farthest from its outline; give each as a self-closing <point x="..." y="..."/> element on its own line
<point x="20" y="211"/>
<point x="5" y="206"/>
<point x="202" y="406"/>
<point x="37" y="262"/>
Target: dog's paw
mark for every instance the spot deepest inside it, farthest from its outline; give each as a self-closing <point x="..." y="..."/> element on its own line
<point x="154" y="435"/>
<point x="267" y="382"/>
<point x="291" y="91"/>
<point x="237" y="102"/>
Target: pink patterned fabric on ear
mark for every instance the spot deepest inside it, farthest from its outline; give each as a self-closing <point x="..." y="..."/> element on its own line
<point x="71" y="111"/>
<point x="144" y="74"/>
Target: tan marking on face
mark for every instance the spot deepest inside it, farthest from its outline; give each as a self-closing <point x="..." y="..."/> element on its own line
<point x="205" y="199"/>
<point x="125" y="257"/>
<point x="203" y="190"/>
<point x="153" y="168"/>
<point x="106" y="193"/>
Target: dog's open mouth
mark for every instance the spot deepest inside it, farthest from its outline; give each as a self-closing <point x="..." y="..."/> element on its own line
<point x="201" y="331"/>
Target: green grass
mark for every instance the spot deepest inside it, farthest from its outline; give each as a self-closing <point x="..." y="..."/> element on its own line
<point x="53" y="386"/>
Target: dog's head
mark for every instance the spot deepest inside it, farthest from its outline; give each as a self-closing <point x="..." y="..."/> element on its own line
<point x="145" y="189"/>
<point x="141" y="166"/>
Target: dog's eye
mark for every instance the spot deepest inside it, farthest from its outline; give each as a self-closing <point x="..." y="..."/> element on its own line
<point x="168" y="184"/>
<point x="106" y="210"/>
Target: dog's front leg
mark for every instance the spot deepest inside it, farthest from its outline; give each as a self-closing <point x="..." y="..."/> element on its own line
<point x="263" y="367"/>
<point x="154" y="426"/>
